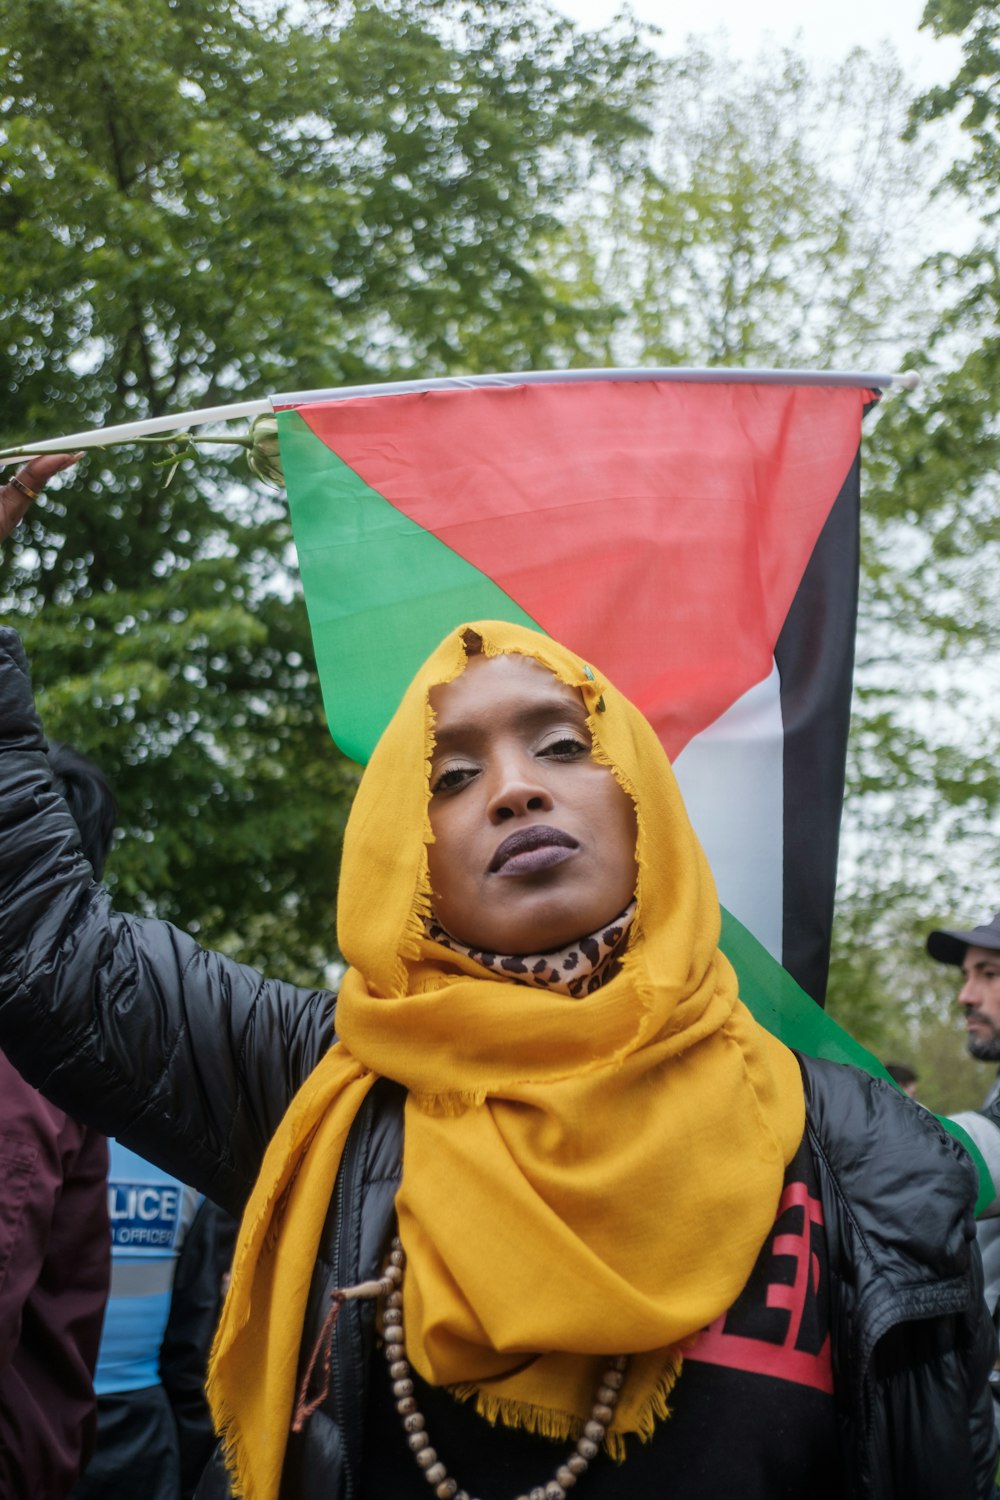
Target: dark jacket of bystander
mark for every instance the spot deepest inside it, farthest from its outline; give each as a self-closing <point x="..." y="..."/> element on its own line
<point x="55" y="1260"/>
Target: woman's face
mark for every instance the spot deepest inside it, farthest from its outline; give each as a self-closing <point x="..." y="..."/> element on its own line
<point x="534" y="840"/>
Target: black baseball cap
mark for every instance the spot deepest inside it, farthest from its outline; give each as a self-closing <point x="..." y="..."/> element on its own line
<point x="949" y="947"/>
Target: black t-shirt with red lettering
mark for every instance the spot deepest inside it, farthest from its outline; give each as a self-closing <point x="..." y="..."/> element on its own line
<point x="752" y="1413"/>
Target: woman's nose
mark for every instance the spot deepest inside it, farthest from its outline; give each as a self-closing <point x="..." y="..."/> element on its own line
<point x="516" y="791"/>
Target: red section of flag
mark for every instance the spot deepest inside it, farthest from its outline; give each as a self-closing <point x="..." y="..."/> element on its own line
<point x="660" y="529"/>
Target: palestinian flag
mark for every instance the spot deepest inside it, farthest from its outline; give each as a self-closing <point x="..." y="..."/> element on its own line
<point x="696" y="538"/>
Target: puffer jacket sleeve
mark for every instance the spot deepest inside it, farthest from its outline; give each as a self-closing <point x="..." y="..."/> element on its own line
<point x="912" y="1342"/>
<point x="127" y="1024"/>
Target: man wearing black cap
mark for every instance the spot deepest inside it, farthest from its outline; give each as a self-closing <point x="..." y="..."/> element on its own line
<point x="977" y="953"/>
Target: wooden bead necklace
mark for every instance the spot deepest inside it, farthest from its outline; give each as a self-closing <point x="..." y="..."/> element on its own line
<point x="414" y="1426"/>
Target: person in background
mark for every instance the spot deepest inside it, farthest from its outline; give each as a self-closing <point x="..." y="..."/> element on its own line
<point x="54" y="1268"/>
<point x="200" y="1283"/>
<point x="903" y="1075"/>
<point x="976" y="952"/>
<point x="170" y="1251"/>
<point x="137" y="1450"/>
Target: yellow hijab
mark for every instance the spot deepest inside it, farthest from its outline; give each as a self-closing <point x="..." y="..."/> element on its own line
<point x="581" y="1177"/>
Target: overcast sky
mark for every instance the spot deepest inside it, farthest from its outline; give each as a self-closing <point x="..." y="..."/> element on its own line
<point x="824" y="30"/>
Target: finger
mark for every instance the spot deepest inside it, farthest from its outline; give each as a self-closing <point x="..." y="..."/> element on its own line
<point x="37" y="472"/>
<point x="14" y="504"/>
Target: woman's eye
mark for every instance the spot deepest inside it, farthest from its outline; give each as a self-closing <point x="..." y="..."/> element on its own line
<point x="453" y="777"/>
<point x="566" y="748"/>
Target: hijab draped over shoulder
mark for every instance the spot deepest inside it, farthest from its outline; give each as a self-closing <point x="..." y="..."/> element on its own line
<point x="582" y="1177"/>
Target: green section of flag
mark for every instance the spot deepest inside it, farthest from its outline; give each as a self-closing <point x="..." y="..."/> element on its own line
<point x="372" y="577"/>
<point x="777" y="1002"/>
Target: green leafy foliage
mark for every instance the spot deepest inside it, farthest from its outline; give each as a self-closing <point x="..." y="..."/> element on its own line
<point x="894" y="999"/>
<point x="772" y="222"/>
<point x="201" y="201"/>
<point x="972" y="95"/>
<point x="924" y="809"/>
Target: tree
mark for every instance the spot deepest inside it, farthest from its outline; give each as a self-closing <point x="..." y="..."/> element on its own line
<point x="772" y="223"/>
<point x="200" y="200"/>
<point x="924" y="775"/>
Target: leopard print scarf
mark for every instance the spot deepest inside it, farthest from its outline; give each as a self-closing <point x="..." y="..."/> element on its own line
<point x="576" y="970"/>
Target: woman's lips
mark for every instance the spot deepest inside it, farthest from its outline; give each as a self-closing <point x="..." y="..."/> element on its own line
<point x="532" y="849"/>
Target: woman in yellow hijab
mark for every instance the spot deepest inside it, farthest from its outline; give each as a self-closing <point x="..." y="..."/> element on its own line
<point x="585" y="1175"/>
<point x="547" y="1215"/>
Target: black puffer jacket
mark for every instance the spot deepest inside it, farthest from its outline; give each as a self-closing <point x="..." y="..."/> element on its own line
<point x="191" y="1060"/>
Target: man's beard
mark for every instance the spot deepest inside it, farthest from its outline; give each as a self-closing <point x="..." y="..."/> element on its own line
<point x="984" y="1048"/>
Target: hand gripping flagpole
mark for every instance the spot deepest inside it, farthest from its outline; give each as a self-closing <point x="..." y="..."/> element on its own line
<point x="129" y="432"/>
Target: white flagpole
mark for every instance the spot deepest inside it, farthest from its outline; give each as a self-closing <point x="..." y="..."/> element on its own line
<point x="714" y="375"/>
<point x="125" y="432"/>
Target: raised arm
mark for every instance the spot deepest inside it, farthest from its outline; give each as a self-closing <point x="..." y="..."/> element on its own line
<point x="127" y="1024"/>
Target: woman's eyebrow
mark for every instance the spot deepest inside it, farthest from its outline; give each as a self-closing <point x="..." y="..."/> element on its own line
<point x="532" y="716"/>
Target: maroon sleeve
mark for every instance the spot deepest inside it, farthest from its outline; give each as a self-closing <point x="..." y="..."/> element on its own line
<point x="54" y="1269"/>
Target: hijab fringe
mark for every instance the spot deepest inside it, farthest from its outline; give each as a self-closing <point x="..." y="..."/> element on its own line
<point x="637" y="931"/>
<point x="565" y="1427"/>
<point x="420" y="913"/>
<point x="234" y="1457"/>
<point x="413" y="932"/>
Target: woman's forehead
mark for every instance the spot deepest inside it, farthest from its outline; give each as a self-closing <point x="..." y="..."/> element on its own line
<point x="490" y="684"/>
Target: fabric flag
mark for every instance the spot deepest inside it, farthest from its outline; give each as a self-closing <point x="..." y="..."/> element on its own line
<point x="695" y="539"/>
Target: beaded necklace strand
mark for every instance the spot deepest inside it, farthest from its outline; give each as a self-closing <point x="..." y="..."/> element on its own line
<point x="401" y="1375"/>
